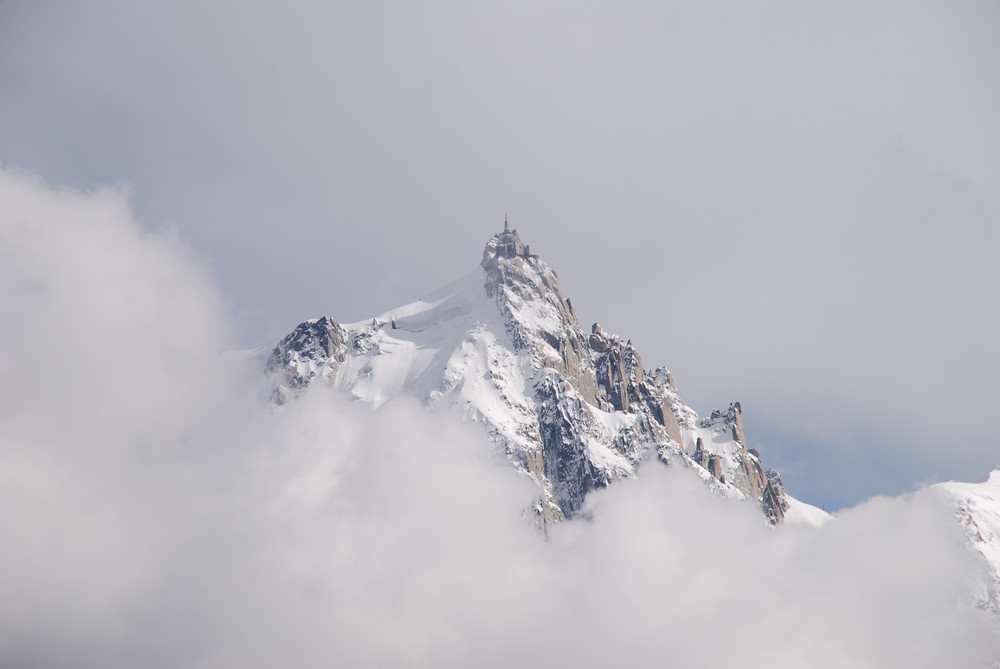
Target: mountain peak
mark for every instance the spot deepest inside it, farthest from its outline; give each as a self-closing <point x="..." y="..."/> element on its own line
<point x="576" y="410"/>
<point x="506" y="244"/>
<point x="538" y="317"/>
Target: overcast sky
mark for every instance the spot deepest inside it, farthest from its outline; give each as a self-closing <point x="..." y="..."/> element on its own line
<point x="794" y="205"/>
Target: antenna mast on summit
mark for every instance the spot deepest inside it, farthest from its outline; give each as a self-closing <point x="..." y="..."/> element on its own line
<point x="506" y="225"/>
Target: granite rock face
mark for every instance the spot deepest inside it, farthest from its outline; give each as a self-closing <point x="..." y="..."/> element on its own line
<point x="773" y="502"/>
<point x="747" y="474"/>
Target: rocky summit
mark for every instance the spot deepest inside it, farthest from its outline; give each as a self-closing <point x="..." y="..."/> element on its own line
<point x="576" y="409"/>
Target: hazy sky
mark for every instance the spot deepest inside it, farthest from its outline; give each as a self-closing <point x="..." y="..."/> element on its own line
<point x="156" y="512"/>
<point x="791" y="204"/>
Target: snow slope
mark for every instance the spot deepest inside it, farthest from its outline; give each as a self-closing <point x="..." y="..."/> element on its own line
<point x="977" y="508"/>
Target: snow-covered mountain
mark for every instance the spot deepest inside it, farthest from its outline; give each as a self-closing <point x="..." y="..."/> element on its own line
<point x="574" y="409"/>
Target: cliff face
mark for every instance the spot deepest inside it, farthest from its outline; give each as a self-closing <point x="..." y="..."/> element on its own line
<point x="575" y="410"/>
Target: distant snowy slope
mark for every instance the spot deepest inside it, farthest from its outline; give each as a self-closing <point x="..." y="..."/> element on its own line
<point x="800" y="513"/>
<point x="977" y="508"/>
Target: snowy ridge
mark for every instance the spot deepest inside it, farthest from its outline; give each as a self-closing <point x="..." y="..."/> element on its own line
<point x="575" y="411"/>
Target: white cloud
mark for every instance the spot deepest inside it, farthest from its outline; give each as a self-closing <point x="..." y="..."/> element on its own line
<point x="155" y="513"/>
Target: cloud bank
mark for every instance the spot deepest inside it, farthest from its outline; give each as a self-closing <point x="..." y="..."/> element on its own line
<point x="155" y="512"/>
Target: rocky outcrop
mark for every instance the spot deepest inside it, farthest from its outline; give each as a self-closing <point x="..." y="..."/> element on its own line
<point x="745" y="471"/>
<point x="773" y="502"/>
<point x="314" y="348"/>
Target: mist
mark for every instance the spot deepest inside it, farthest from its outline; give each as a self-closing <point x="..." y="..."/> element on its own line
<point x="157" y="511"/>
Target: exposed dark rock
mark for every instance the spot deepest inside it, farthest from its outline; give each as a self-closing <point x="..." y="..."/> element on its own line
<point x="773" y="502"/>
<point x="318" y="345"/>
<point x="566" y="464"/>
